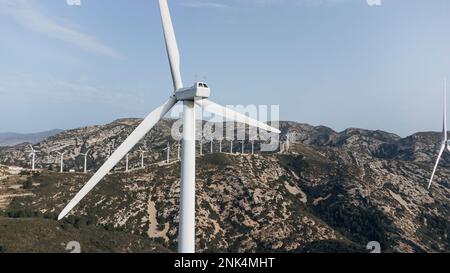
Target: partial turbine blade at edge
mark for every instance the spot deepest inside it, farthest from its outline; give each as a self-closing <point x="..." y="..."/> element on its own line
<point x="445" y="111"/>
<point x="139" y="133"/>
<point x="222" y="111"/>
<point x="436" y="165"/>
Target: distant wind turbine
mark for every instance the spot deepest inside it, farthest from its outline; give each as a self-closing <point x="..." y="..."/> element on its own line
<point x="33" y="158"/>
<point x="142" y="157"/>
<point x="111" y="147"/>
<point x="168" y="152"/>
<point x="85" y="160"/>
<point x="191" y="97"/>
<point x="61" y="161"/>
<point x="445" y="142"/>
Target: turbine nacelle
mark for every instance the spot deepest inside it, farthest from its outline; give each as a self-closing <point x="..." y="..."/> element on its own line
<point x="199" y="90"/>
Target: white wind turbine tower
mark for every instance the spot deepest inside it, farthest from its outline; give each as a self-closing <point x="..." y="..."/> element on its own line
<point x="85" y="160"/>
<point x="253" y="147"/>
<point x="445" y="141"/>
<point x="61" y="161"/>
<point x="231" y="146"/>
<point x="179" y="150"/>
<point x="111" y="147"/>
<point x="168" y="152"/>
<point x="142" y="157"/>
<point x="211" y="148"/>
<point x="126" y="163"/>
<point x="201" y="146"/>
<point x="33" y="157"/>
<point x="220" y="146"/>
<point x="243" y="147"/>
<point x="191" y="97"/>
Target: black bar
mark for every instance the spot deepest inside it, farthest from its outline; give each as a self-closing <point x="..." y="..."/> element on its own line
<point x="128" y="263"/>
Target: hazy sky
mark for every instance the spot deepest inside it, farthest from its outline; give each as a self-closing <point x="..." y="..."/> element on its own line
<point x="338" y="63"/>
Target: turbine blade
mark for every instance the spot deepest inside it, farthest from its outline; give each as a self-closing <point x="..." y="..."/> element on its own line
<point x="222" y="111"/>
<point x="436" y="165"/>
<point x="445" y="111"/>
<point x="171" y="44"/>
<point x="123" y="149"/>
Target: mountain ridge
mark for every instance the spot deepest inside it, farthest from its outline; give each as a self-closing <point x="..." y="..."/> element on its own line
<point x="12" y="139"/>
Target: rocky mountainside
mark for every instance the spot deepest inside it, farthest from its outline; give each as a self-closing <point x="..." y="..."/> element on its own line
<point x="12" y="139"/>
<point x="332" y="192"/>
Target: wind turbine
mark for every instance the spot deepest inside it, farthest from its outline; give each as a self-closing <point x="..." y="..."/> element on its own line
<point x="243" y="148"/>
<point x="220" y="146"/>
<point x="85" y="160"/>
<point x="253" y="147"/>
<point x="168" y="152"/>
<point x="179" y="150"/>
<point x="231" y="146"/>
<point x="61" y="160"/>
<point x="33" y="157"/>
<point x="211" y="148"/>
<point x="142" y="157"/>
<point x="126" y="163"/>
<point x="445" y="142"/>
<point x="191" y="97"/>
<point x="110" y="147"/>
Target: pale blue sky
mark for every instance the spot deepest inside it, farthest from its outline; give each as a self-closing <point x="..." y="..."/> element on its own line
<point x="338" y="63"/>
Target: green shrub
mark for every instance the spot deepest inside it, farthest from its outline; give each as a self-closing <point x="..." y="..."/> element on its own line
<point x="28" y="184"/>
